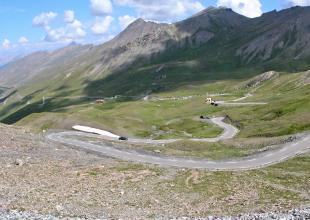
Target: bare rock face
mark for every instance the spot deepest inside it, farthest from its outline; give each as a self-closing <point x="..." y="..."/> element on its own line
<point x="141" y="39"/>
<point x="139" y="30"/>
<point x="203" y="26"/>
<point x="285" y="33"/>
<point x="258" y="80"/>
<point x="305" y="79"/>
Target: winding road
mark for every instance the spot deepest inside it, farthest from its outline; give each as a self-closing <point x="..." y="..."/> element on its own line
<point x="282" y="152"/>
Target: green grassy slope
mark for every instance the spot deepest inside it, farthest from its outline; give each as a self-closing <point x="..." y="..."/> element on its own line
<point x="3" y="89"/>
<point x="286" y="113"/>
<point x="183" y="62"/>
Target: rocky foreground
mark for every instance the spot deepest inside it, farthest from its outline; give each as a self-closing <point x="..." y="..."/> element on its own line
<point x="296" y="214"/>
<point x="43" y="180"/>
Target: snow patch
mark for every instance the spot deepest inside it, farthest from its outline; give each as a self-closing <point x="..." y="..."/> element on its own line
<point x="95" y="131"/>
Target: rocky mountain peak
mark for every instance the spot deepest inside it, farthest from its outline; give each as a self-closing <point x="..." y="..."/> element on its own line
<point x="212" y="17"/>
<point x="137" y="22"/>
<point x="213" y="10"/>
<point x="73" y="43"/>
<point x="138" y="29"/>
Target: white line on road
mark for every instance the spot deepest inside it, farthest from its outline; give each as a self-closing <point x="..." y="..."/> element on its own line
<point x="252" y="159"/>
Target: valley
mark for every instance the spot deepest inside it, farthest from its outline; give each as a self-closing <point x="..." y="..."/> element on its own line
<point x="242" y="152"/>
<point x="162" y="119"/>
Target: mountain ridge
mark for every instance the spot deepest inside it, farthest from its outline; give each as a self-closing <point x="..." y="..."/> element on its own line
<point x="217" y="37"/>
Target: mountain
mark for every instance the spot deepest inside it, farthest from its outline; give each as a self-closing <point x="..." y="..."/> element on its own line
<point x="215" y="43"/>
<point x="278" y="35"/>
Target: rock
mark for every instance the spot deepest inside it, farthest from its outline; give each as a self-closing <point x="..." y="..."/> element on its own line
<point x="19" y="162"/>
<point x="59" y="208"/>
<point x="258" y="80"/>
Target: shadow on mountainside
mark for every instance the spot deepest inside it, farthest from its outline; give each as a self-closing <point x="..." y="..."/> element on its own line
<point x="205" y="52"/>
<point x="50" y="105"/>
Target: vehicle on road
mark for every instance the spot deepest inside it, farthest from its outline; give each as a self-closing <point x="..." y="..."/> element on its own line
<point x="100" y="101"/>
<point x="123" y="139"/>
<point x="204" y="117"/>
<point x="212" y="102"/>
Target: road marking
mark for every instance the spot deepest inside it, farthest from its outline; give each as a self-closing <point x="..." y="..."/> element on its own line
<point x="269" y="155"/>
<point x="283" y="149"/>
<point x="252" y="160"/>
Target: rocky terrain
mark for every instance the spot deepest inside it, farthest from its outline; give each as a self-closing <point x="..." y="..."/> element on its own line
<point x="296" y="214"/>
<point x="261" y="79"/>
<point x="43" y="180"/>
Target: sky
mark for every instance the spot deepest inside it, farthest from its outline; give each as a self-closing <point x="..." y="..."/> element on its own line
<point x="31" y="25"/>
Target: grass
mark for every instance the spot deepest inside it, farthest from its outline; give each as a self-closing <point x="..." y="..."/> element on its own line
<point x="286" y="113"/>
<point x="144" y="119"/>
<point x="3" y="89"/>
<point x="282" y="186"/>
<point x="212" y="151"/>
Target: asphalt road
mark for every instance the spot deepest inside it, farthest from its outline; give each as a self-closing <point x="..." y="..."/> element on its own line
<point x="237" y="102"/>
<point x="229" y="132"/>
<point x="282" y="152"/>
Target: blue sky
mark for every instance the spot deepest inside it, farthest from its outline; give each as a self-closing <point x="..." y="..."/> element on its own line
<point x="29" y="25"/>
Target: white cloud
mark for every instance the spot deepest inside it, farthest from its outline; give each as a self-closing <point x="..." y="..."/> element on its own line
<point x="43" y="19"/>
<point x="101" y="7"/>
<point x="23" y="40"/>
<point x="163" y="10"/>
<point x="69" y="16"/>
<point x="54" y="35"/>
<point x="74" y="28"/>
<point x="102" y="25"/>
<point x="6" y="44"/>
<point x="125" y="20"/>
<point x="71" y="31"/>
<point x="298" y="2"/>
<point x="249" y="8"/>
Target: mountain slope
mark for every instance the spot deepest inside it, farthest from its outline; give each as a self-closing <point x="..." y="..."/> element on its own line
<point x="279" y="35"/>
<point x="149" y="57"/>
<point x="213" y="36"/>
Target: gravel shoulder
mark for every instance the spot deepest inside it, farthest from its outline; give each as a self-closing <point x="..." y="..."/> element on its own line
<point x="50" y="180"/>
<point x="284" y="151"/>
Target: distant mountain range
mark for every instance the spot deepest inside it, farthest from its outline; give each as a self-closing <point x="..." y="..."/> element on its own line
<point x="149" y="57"/>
